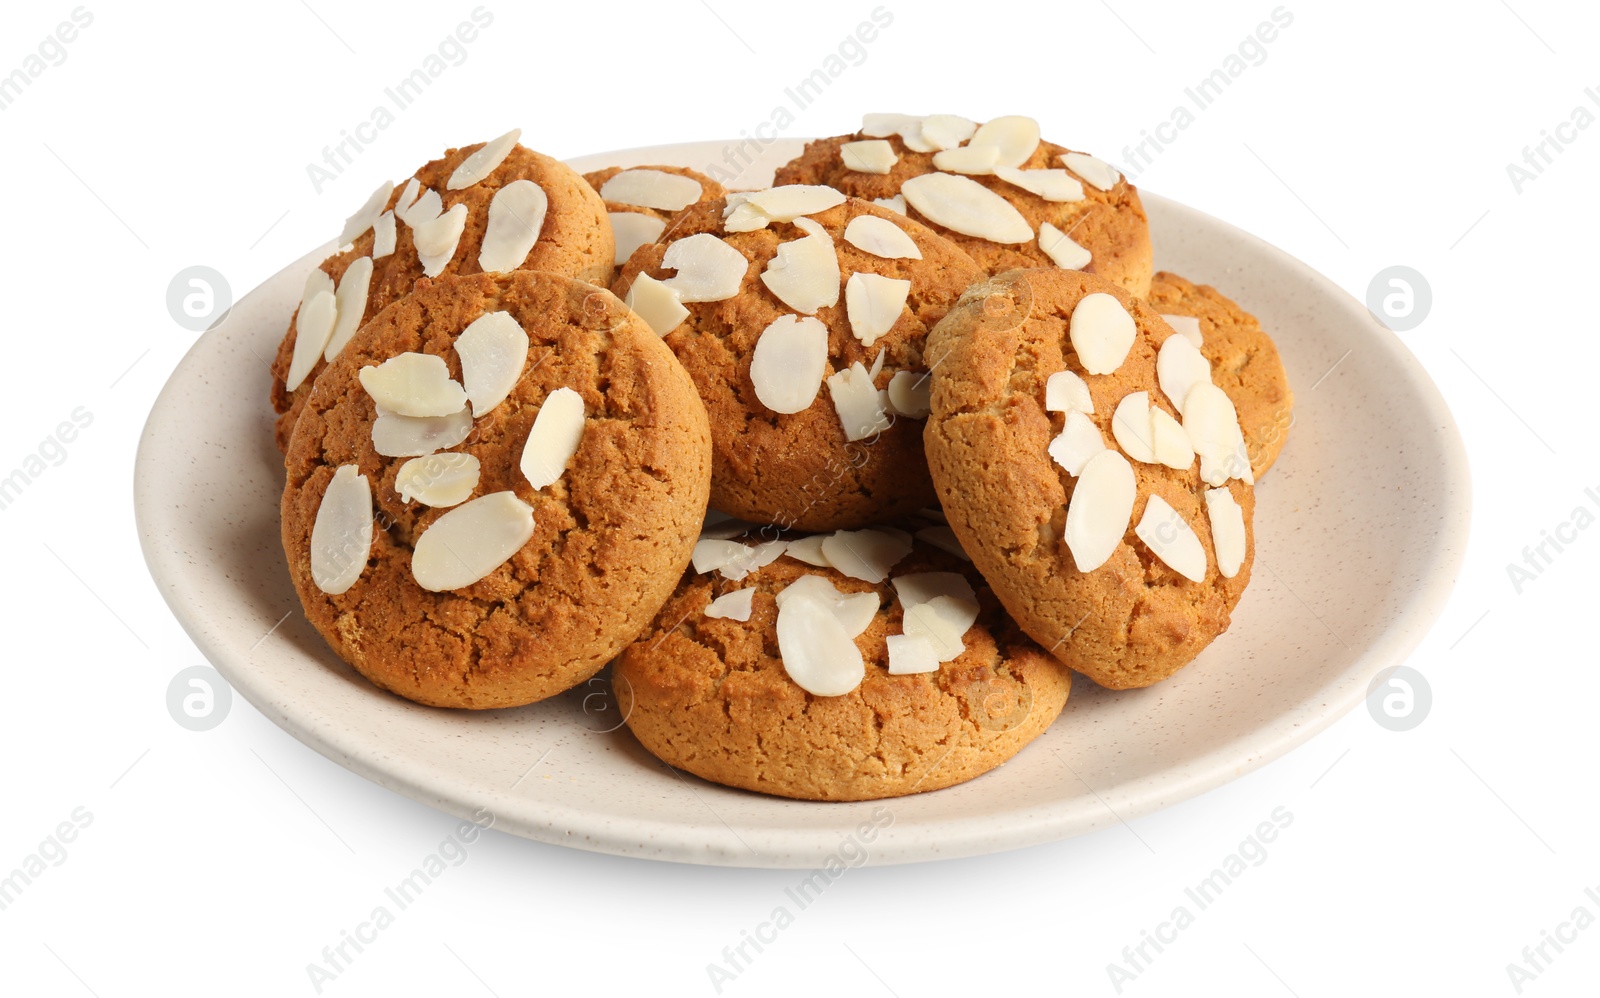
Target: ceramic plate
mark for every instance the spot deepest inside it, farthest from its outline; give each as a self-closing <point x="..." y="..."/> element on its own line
<point x="1360" y="529"/>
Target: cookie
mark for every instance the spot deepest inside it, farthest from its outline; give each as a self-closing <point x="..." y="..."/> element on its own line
<point x="1244" y="362"/>
<point x="641" y="200"/>
<point x="816" y="403"/>
<point x="1113" y="523"/>
<point x="485" y="197"/>
<point x="714" y="695"/>
<point x="537" y="533"/>
<point x="1081" y="215"/>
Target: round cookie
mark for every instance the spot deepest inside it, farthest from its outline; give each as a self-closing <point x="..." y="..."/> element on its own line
<point x="799" y="469"/>
<point x="1110" y="224"/>
<point x="1132" y="619"/>
<point x="574" y="239"/>
<point x="1244" y="362"/>
<point x="648" y="202"/>
<point x="610" y="534"/>
<point x="712" y="695"/>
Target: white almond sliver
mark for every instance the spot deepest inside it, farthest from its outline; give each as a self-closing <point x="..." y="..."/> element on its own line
<point x="868" y="156"/>
<point x="708" y="269"/>
<point x="877" y="366"/>
<point x="895" y="204"/>
<point x="1100" y="174"/>
<point x="1179" y="367"/>
<point x="351" y="301"/>
<point x="732" y="606"/>
<point x="493" y="351"/>
<point x="881" y="126"/>
<point x="1170" y="440"/>
<point x="1130" y="424"/>
<point x="751" y="559"/>
<point x="652" y="189"/>
<point x="741" y="216"/>
<point x="804" y="274"/>
<point x="710" y="554"/>
<point x="632" y="229"/>
<point x="367" y="214"/>
<point x="436" y="240"/>
<point x="1077" y="442"/>
<point x="966" y="206"/>
<point x="789" y="202"/>
<point x="484" y="161"/>
<point x="874" y="303"/>
<point x="1066" y="392"/>
<point x="911" y="393"/>
<point x="1099" y="510"/>
<point x="865" y="554"/>
<point x="1213" y="427"/>
<point x="413" y="436"/>
<point x="946" y="131"/>
<point x="858" y="402"/>
<point x="788" y="362"/>
<point x="1186" y="326"/>
<point x="554" y="437"/>
<point x="920" y="587"/>
<point x="943" y="538"/>
<point x="971" y="160"/>
<point x="408" y="197"/>
<point x="1051" y="185"/>
<point x="471" y="541"/>
<point x="910" y="654"/>
<point x="425" y="208"/>
<point x="437" y="480"/>
<point x="881" y="237"/>
<point x="313" y="327"/>
<point x="1102" y="332"/>
<point x="516" y="217"/>
<point x="817" y="652"/>
<point x="1228" y="535"/>
<point x="1064" y="251"/>
<point x="656" y="303"/>
<point x="1014" y="137"/>
<point x="341" y="535"/>
<point x="853" y="610"/>
<point x="384" y="235"/>
<point x="1172" y="540"/>
<point x="809" y="550"/>
<point x="413" y="384"/>
<point x="942" y="622"/>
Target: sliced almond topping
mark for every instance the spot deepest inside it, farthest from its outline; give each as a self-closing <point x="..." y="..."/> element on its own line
<point x="313" y="327"/>
<point x="910" y="654"/>
<point x="804" y="274"/>
<point x="946" y="131"/>
<point x="975" y="160"/>
<point x="751" y="558"/>
<point x="516" y="216"/>
<point x="877" y="366"/>
<point x="818" y="654"/>
<point x="732" y="606"/>
<point x="1014" y="136"/>
<point x="408" y="197"/>
<point x="874" y="303"/>
<point x="1099" y="510"/>
<point x="1066" y="392"/>
<point x="1052" y="185"/>
<point x="1064" y="251"/>
<point x="943" y="538"/>
<point x="862" y="408"/>
<point x="1213" y="427"/>
<point x="868" y="156"/>
<point x="853" y="610"/>
<point x="791" y="201"/>
<point x="437" y="480"/>
<point x="554" y="437"/>
<point x="708" y="269"/>
<point x="493" y="351"/>
<point x="1172" y="540"/>
<point x="1099" y="174"/>
<point x="809" y="550"/>
<point x="436" y="241"/>
<point x="896" y="203"/>
<point x="341" y="535"/>
<point x="384" y="235"/>
<point x="1078" y="441"/>
<point x="1130" y="424"/>
<point x="788" y="362"/>
<point x="911" y="393"/>
<point x="881" y="237"/>
<point x="471" y="541"/>
<point x="1227" y="531"/>
<point x="881" y="126"/>
<point x="632" y="229"/>
<point x="413" y="436"/>
<point x="711" y="554"/>
<point x="1102" y="332"/>
<point x="966" y="206"/>
<point x="413" y="384"/>
<point x="742" y="216"/>
<point x="1179" y="367"/>
<point x="865" y="554"/>
<point x="656" y="303"/>
<point x="1172" y="445"/>
<point x="942" y="622"/>
<point x="652" y="189"/>
<point x="367" y="214"/>
<point x="1186" y="326"/>
<point x="425" y="208"/>
<point x="484" y="161"/>
<point x="351" y="303"/>
<point x="920" y="587"/>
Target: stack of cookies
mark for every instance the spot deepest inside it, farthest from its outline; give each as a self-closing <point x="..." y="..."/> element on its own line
<point x="845" y="477"/>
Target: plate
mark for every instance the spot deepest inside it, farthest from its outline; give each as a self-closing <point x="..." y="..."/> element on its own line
<point x="1360" y="530"/>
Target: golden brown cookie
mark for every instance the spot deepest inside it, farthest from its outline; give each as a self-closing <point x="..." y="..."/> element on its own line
<point x="800" y="469"/>
<point x="610" y="532"/>
<point x="713" y="695"/>
<point x="1130" y="619"/>
<point x="1110" y="224"/>
<point x="1244" y="362"/>
<point x="574" y="239"/>
<point x="648" y="201"/>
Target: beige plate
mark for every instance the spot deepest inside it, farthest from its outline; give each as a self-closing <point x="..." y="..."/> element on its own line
<point x="1360" y="530"/>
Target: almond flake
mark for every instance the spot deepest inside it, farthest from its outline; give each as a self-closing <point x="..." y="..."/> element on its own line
<point x="484" y="161"/>
<point x="413" y="384"/>
<point x="1130" y="424"/>
<point x="384" y="235"/>
<point x="791" y="201"/>
<point x="1186" y="326"/>
<point x="942" y="622"/>
<point x="804" y="273"/>
<point x="632" y="229"/>
<point x="877" y="366"/>
<point x="1171" y="441"/>
<point x="1228" y="535"/>
<point x="656" y="303"/>
<point x="413" y="436"/>
<point x="708" y="269"/>
<point x="1179" y="367"/>
<point x="341" y="535"/>
<point x="865" y="554"/>
<point x="910" y="654"/>
<point x="1213" y="427"/>
<point x="895" y="204"/>
<point x="818" y="654"/>
<point x="351" y="303"/>
<point x="881" y="126"/>
<point x="516" y="215"/>
<point x="469" y="542"/>
<point x="809" y="550"/>
<point x="853" y="610"/>
<point x="1064" y="251"/>
<point x="554" y="437"/>
<point x="436" y="241"/>
<point x="911" y="393"/>
<point x="946" y="131"/>
<point x="966" y="206"/>
<point x="425" y="208"/>
<point x="973" y="160"/>
<point x="732" y="606"/>
<point x="1172" y="540"/>
<point x="1013" y="136"/>
<point x="408" y="197"/>
<point x="1066" y="392"/>
<point x="1100" y="174"/>
<point x="868" y="156"/>
<point x="493" y="351"/>
<point x="943" y="538"/>
<point x="1102" y="332"/>
<point x="874" y="303"/>
<point x="862" y="408"/>
<point x="1099" y="510"/>
<point x="788" y="362"/>
<point x="750" y="559"/>
<point x="1078" y="441"/>
<point x="313" y="327"/>
<point x="1051" y="185"/>
<point x="437" y="480"/>
<point x="881" y="237"/>
<point x="652" y="189"/>
<point x="366" y="215"/>
<point x="742" y="216"/>
<point x="921" y="587"/>
<point x="711" y="554"/>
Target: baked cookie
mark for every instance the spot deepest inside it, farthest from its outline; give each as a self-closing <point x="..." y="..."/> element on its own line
<point x="1244" y="361"/>
<point x="641" y="200"/>
<point x="997" y="190"/>
<point x="812" y="698"/>
<point x="495" y="206"/>
<point x="803" y="329"/>
<point x="493" y="488"/>
<point x="1113" y="522"/>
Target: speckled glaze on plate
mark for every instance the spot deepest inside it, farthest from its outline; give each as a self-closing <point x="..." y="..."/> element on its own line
<point x="1360" y="530"/>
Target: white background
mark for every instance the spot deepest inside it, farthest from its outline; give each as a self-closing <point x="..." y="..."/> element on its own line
<point x="223" y="862"/>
